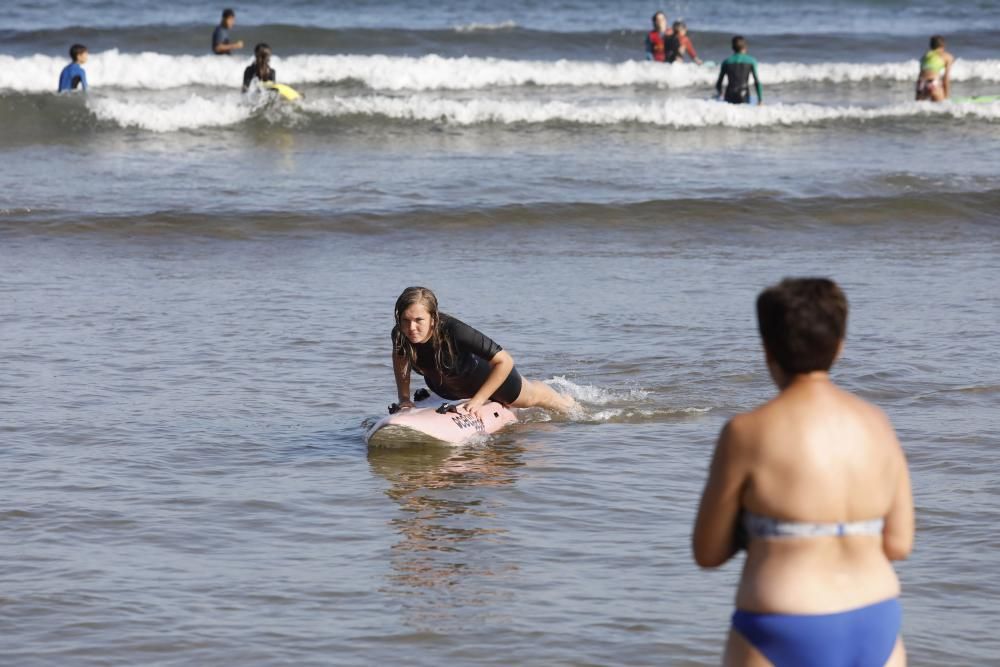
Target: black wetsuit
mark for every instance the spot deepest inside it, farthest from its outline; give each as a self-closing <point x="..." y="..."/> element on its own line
<point x="464" y="375"/>
<point x="250" y="73"/>
<point x="672" y="48"/>
<point x="738" y="68"/>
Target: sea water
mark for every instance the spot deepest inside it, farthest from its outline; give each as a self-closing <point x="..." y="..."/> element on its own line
<point x="197" y="295"/>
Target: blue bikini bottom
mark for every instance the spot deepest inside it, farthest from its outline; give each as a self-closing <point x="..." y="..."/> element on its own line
<point x="856" y="638"/>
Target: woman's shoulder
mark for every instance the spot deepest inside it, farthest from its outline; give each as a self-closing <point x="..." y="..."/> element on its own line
<point x="451" y="324"/>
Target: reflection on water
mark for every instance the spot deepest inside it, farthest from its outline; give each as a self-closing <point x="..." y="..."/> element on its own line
<point x="446" y="567"/>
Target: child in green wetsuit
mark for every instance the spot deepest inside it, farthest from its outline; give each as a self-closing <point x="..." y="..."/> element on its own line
<point x="737" y="68"/>
<point x="934" y="82"/>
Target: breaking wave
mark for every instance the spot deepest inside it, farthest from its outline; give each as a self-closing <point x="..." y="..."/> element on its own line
<point x="153" y="71"/>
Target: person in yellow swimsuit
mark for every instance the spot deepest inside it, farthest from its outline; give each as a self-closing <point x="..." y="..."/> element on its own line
<point x="934" y="82"/>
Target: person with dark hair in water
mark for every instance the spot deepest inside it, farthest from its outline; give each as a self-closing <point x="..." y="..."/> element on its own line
<point x="73" y="75"/>
<point x="814" y="486"/>
<point x="736" y="70"/>
<point x="260" y="68"/>
<point x="679" y="45"/>
<point x="220" y="38"/>
<point x="656" y="39"/>
<point x="934" y="82"/>
<point x="457" y="361"/>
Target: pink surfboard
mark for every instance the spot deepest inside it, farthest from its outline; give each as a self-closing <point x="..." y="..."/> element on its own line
<point x="427" y="423"/>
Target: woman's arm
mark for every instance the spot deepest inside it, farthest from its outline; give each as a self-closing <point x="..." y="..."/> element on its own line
<point x="714" y="540"/>
<point x="897" y="535"/>
<point x="401" y="368"/>
<point x="689" y="49"/>
<point x="500" y="367"/>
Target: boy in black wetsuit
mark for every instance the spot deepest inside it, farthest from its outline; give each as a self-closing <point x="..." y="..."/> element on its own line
<point x="737" y="68"/>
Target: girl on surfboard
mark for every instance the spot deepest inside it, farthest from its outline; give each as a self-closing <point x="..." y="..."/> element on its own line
<point x="457" y="361"/>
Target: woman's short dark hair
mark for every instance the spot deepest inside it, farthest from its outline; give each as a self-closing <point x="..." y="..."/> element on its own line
<point x="227" y="13"/>
<point x="802" y="322"/>
<point x="937" y="41"/>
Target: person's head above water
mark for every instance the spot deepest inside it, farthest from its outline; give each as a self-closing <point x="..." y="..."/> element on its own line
<point x="802" y="322"/>
<point x="228" y="18"/>
<point x="417" y="316"/>
<point x="418" y="321"/>
<point x="937" y="42"/>
<point x="739" y="44"/>
<point x="78" y="53"/>
<point x="262" y="60"/>
<point x="660" y="22"/>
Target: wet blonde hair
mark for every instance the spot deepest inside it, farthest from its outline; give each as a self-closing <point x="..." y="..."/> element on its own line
<point x="444" y="352"/>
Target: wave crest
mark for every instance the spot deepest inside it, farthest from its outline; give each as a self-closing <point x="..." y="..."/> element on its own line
<point x="194" y="111"/>
<point x="154" y="71"/>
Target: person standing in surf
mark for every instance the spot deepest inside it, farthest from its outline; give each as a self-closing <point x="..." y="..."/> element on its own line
<point x="814" y="485"/>
<point x="656" y="39"/>
<point x="679" y="45"/>
<point x="220" y="37"/>
<point x="736" y="71"/>
<point x="457" y="361"/>
<point x="73" y="75"/>
<point x="934" y="81"/>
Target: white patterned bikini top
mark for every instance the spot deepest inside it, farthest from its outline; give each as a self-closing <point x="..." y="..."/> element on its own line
<point x="758" y="525"/>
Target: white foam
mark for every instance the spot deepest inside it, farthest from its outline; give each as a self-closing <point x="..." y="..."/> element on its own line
<point x="673" y="113"/>
<point x="486" y="27"/>
<point x="594" y="395"/>
<point x="160" y="116"/>
<point x="172" y="112"/>
<point x="154" y="71"/>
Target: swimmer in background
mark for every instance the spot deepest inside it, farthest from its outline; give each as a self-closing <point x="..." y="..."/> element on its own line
<point x="220" y="38"/>
<point x="737" y="69"/>
<point x="934" y="82"/>
<point x="458" y="362"/>
<point x="814" y="485"/>
<point x="260" y="68"/>
<point x="679" y="45"/>
<point x="74" y="75"/>
<point x="656" y="40"/>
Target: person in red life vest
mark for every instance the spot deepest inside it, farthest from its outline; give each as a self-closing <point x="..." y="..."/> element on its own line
<point x="679" y="45"/>
<point x="656" y="40"/>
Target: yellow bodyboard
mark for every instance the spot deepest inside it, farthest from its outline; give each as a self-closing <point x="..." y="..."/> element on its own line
<point x="286" y="92"/>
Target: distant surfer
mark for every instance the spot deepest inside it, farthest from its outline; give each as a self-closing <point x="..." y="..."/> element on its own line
<point x="656" y="40"/>
<point x="220" y="38"/>
<point x="736" y="70"/>
<point x="457" y="361"/>
<point x="260" y="68"/>
<point x="73" y="75"/>
<point x="934" y="82"/>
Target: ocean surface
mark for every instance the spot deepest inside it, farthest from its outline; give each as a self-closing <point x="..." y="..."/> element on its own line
<point x="196" y="293"/>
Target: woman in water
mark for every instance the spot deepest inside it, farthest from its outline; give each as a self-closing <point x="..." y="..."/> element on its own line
<point x="260" y="68"/>
<point x="814" y="485"/>
<point x="934" y="82"/>
<point x="457" y="361"/>
<point x="656" y="39"/>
